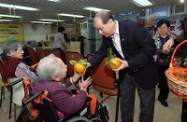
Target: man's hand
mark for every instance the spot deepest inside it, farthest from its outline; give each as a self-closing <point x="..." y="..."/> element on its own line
<point x="124" y="64"/>
<point x="88" y="65"/>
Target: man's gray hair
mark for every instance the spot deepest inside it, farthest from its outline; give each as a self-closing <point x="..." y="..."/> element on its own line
<point x="12" y="45"/>
<point x="150" y="16"/>
<point x="104" y="16"/>
<point x="48" y="67"/>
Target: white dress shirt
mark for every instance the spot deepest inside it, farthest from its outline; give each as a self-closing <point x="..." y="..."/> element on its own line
<point x="116" y="40"/>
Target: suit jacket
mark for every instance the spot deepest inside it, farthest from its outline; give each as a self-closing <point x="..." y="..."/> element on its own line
<point x="138" y="49"/>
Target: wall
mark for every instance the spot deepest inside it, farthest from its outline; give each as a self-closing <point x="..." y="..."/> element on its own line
<point x="131" y="17"/>
<point x="174" y="22"/>
<point x="36" y="32"/>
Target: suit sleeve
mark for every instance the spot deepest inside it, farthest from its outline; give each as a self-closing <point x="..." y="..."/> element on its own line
<point x="100" y="54"/>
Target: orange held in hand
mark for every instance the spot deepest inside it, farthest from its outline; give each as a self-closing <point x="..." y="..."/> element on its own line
<point x="79" y="67"/>
<point x="112" y="62"/>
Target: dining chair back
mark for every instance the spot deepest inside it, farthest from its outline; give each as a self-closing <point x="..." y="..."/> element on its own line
<point x="104" y="80"/>
<point x="32" y="55"/>
<point x="40" y="52"/>
<point x="71" y="56"/>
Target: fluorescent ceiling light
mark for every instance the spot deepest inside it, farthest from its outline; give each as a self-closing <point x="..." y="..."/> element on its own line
<point x="54" y="0"/>
<point x="51" y="20"/>
<point x="71" y="15"/>
<point x="95" y="9"/>
<point x="40" y="22"/>
<point x="181" y="1"/>
<point x="142" y="2"/>
<point x="11" y="16"/>
<point x="5" y="20"/>
<point x="18" y="7"/>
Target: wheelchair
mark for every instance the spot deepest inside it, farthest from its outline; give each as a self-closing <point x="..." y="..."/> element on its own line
<point x="39" y="108"/>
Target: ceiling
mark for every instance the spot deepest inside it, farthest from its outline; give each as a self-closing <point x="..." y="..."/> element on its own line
<point x="50" y="9"/>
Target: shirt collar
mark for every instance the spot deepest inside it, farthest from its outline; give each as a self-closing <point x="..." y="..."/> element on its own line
<point x="117" y="29"/>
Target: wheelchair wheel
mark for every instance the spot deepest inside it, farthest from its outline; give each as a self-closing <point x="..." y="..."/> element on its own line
<point x="104" y="114"/>
<point x="96" y="120"/>
<point x="78" y="119"/>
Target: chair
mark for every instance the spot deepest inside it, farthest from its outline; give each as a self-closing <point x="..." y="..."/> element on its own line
<point x="15" y="85"/>
<point x="16" y="90"/>
<point x="32" y="55"/>
<point x="71" y="56"/>
<point x="104" y="80"/>
<point x="41" y="105"/>
<point x="20" y="91"/>
<point x="53" y="51"/>
<point x="56" y="53"/>
<point x="48" y="51"/>
<point x="40" y="52"/>
<point x="16" y="94"/>
<point x="2" y="91"/>
<point x="4" y="82"/>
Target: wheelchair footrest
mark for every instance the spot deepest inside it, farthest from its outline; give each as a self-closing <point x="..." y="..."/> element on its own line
<point x="101" y="115"/>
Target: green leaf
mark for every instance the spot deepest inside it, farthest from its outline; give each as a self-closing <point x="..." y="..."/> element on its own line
<point x="109" y="62"/>
<point x="82" y="62"/>
<point x="112" y="64"/>
<point x="185" y="59"/>
<point x="72" y="62"/>
<point x="178" y="74"/>
<point x="109" y="52"/>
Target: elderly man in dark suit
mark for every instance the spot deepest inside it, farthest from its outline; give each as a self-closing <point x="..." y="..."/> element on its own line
<point x="134" y="47"/>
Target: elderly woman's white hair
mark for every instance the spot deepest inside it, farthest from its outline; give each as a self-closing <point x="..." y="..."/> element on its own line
<point x="48" y="67"/>
<point x="11" y="45"/>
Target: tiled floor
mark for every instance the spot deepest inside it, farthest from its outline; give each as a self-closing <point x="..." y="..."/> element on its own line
<point x="162" y="114"/>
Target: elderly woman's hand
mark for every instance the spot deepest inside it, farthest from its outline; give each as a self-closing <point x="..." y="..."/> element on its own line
<point x="84" y="83"/>
<point x="77" y="76"/>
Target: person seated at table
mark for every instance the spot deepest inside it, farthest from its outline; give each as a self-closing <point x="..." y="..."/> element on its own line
<point x="52" y="71"/>
<point x="41" y="44"/>
<point x="13" y="66"/>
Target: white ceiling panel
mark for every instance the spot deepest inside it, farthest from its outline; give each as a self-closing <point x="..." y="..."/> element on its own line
<point x="49" y="10"/>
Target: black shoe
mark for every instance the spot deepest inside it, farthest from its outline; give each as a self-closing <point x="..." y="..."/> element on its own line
<point x="163" y="102"/>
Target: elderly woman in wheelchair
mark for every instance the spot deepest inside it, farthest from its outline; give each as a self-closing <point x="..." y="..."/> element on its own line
<point x="60" y="103"/>
<point x="52" y="71"/>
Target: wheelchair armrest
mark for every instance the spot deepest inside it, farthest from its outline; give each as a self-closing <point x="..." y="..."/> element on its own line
<point x="26" y="57"/>
<point x="88" y="98"/>
<point x="32" y="98"/>
<point x="15" y="82"/>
